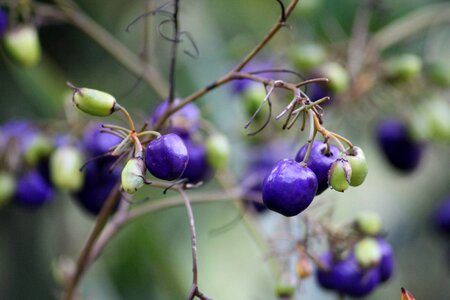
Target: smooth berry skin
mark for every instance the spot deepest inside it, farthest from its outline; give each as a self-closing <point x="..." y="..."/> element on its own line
<point x="187" y="119"/>
<point x="387" y="265"/>
<point x="97" y="143"/>
<point x="166" y="157"/>
<point x="197" y="169"/>
<point x="289" y="188"/>
<point x="3" y="22"/>
<point x="33" y="190"/>
<point x="98" y="183"/>
<point x="319" y="162"/>
<point x="347" y="277"/>
<point x="442" y="217"/>
<point x="399" y="149"/>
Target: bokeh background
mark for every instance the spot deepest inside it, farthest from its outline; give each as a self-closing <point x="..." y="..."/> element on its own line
<point x="150" y="259"/>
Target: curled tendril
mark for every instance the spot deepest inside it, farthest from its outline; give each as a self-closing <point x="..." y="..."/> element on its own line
<point x="269" y="102"/>
<point x="188" y="35"/>
<point x="160" y="10"/>
<point x="283" y="11"/>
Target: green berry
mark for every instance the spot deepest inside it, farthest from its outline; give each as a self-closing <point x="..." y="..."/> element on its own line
<point x="94" y="102"/>
<point x="368" y="253"/>
<point x="438" y="72"/>
<point x="308" y="56"/>
<point x="338" y="80"/>
<point x="358" y="163"/>
<point x="65" y="164"/>
<point x="403" y="67"/>
<point x="285" y="288"/>
<point x="133" y="175"/>
<point x="368" y="223"/>
<point x="253" y="97"/>
<point x="217" y="151"/>
<point x="22" y="45"/>
<point x="7" y="187"/>
<point x="39" y="148"/>
<point x="340" y="174"/>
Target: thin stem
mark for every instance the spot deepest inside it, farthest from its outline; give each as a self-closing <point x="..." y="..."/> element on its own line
<point x="83" y="260"/>
<point x="127" y="116"/>
<point x="314" y="80"/>
<point x="113" y="46"/>
<point x="173" y="61"/>
<point x="312" y="135"/>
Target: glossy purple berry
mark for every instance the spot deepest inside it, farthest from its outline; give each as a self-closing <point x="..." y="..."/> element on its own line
<point x="166" y="157"/>
<point x="386" y="265"/>
<point x="289" y="188"/>
<point x="187" y="119"/>
<point x="99" y="182"/>
<point x="319" y="162"/>
<point x="442" y="217"/>
<point x="397" y="146"/>
<point x="198" y="168"/>
<point x="3" y="22"/>
<point x="97" y="143"/>
<point x="33" y="190"/>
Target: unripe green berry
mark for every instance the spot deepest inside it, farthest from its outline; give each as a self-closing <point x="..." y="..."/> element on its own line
<point x="217" y="151"/>
<point x="285" y="288"/>
<point x="94" y="102"/>
<point x="252" y="98"/>
<point x="340" y="174"/>
<point x="133" y="175"/>
<point x="22" y="45"/>
<point x="308" y="56"/>
<point x="368" y="253"/>
<point x="403" y="67"/>
<point x="7" y="187"/>
<point x="65" y="164"/>
<point x="337" y="76"/>
<point x="368" y="223"/>
<point x="358" y="163"/>
<point x="39" y="147"/>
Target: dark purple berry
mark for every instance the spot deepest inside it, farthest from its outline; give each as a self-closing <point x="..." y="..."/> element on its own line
<point x="198" y="168"/>
<point x="319" y="162"/>
<point x="442" y="217"/>
<point x="187" y="119"/>
<point x="97" y="143"/>
<point x="397" y="146"/>
<point x="3" y="22"/>
<point x="166" y="157"/>
<point x="99" y="182"/>
<point x="240" y="85"/>
<point x="33" y="190"/>
<point x="289" y="188"/>
<point x="386" y="266"/>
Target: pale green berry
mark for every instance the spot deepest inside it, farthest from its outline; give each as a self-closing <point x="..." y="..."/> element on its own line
<point x="22" y="45"/>
<point x="368" y="223"/>
<point x="65" y="164"/>
<point x="308" y="56"/>
<point x="39" y="147"/>
<point x="438" y="72"/>
<point x="94" y="102"/>
<point x="7" y="187"/>
<point x="358" y="163"/>
<point x="285" y="288"/>
<point x="252" y="98"/>
<point x="338" y="79"/>
<point x="133" y="175"/>
<point x="403" y="67"/>
<point x="217" y="151"/>
<point x="368" y="253"/>
<point x="340" y="174"/>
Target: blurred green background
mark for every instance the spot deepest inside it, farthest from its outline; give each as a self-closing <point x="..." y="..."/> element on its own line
<point x="150" y="259"/>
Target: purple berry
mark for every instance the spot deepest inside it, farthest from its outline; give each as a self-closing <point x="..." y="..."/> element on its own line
<point x="166" y="157"/>
<point x="240" y="85"/>
<point x="289" y="188"/>
<point x="319" y="162"/>
<point x="33" y="190"/>
<point x="98" y="183"/>
<point x="185" y="120"/>
<point x="386" y="266"/>
<point x="318" y="90"/>
<point x="397" y="146"/>
<point x="97" y="143"/>
<point x="198" y="168"/>
<point x="442" y="217"/>
<point x="3" y="22"/>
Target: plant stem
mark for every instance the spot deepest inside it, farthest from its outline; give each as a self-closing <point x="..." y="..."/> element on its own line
<point x="173" y="61"/>
<point x="83" y="260"/>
